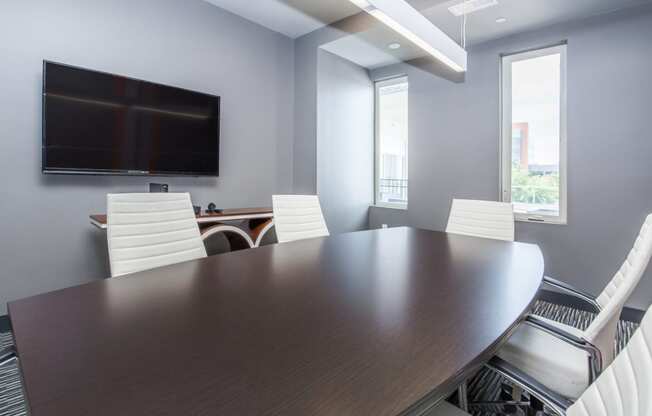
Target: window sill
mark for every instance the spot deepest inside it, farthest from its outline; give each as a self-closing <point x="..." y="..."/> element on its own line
<point x="402" y="207"/>
<point x="540" y="220"/>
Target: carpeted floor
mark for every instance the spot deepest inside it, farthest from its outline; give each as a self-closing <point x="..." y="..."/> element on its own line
<point x="11" y="394"/>
<point x="485" y="386"/>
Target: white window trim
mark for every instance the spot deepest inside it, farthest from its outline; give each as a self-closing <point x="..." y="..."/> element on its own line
<point x="377" y="202"/>
<point x="506" y="133"/>
<point x="390" y="205"/>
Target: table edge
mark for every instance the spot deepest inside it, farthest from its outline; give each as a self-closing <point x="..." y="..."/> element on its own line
<point x="442" y="391"/>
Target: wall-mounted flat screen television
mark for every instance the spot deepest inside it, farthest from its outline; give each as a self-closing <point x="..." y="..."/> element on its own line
<point x="98" y="123"/>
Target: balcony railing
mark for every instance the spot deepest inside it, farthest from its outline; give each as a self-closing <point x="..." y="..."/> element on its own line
<point x="393" y="190"/>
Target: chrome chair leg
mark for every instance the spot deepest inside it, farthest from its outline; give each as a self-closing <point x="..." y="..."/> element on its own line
<point x="500" y="407"/>
<point x="463" y="396"/>
<point x="7" y="354"/>
<point x="543" y="395"/>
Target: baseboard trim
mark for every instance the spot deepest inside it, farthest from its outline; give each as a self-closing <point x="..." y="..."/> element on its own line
<point x="628" y="314"/>
<point x="5" y="324"/>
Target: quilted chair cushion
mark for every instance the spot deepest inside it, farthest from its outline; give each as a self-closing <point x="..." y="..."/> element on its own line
<point x="145" y="231"/>
<point x="602" y="330"/>
<point x="549" y="360"/>
<point x="487" y="219"/>
<point x="297" y="217"/>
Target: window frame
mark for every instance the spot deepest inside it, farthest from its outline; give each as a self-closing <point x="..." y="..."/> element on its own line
<point x="377" y="86"/>
<point x="506" y="132"/>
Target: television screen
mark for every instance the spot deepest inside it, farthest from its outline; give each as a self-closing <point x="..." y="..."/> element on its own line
<point x="98" y="123"/>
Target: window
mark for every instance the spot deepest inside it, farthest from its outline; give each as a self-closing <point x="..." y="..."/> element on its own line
<point x="534" y="134"/>
<point x="391" y="148"/>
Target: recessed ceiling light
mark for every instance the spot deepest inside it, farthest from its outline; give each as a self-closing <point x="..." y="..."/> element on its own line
<point x="405" y="20"/>
<point x="501" y="20"/>
<point x="394" y="46"/>
<point x="471" y="6"/>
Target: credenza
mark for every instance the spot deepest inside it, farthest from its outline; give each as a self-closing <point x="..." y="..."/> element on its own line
<point x="241" y="227"/>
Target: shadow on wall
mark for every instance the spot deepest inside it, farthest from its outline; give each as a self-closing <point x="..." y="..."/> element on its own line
<point x="98" y="243"/>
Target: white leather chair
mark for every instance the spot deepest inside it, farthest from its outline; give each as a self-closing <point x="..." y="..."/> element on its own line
<point x="151" y="230"/>
<point x="623" y="389"/>
<point x="556" y="354"/>
<point x="488" y="219"/>
<point x="297" y="217"/>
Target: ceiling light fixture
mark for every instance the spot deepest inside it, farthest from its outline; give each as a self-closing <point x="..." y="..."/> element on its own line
<point x="412" y="25"/>
<point x="501" y="20"/>
<point x="394" y="46"/>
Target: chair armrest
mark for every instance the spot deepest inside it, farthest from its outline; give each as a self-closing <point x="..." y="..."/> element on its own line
<point x="595" y="355"/>
<point x="585" y="297"/>
<point x="553" y="400"/>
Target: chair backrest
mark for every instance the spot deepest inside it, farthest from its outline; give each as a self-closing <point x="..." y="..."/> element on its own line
<point x="151" y="230"/>
<point x="297" y="217"/>
<point x="488" y="219"/>
<point x="602" y="330"/>
<point x="625" y="387"/>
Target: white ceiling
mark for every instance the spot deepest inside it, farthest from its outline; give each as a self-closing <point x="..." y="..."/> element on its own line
<point x="369" y="48"/>
<point x="295" y="18"/>
<point x="522" y="15"/>
<point x="292" y="18"/>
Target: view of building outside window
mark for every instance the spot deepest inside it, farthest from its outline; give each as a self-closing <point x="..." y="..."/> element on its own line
<point x="392" y="142"/>
<point x="536" y="95"/>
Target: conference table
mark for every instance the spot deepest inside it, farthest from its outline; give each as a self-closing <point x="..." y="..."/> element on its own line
<point x="381" y="322"/>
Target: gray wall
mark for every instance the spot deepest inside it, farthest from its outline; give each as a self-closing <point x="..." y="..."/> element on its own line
<point x="345" y="142"/>
<point x="47" y="242"/>
<point x="270" y="127"/>
<point x="306" y="52"/>
<point x="454" y="136"/>
<point x="388" y="216"/>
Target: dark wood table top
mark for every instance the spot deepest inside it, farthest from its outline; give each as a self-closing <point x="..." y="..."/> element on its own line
<point x="367" y="323"/>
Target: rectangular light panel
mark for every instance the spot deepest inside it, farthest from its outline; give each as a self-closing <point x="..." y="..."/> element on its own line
<point x="401" y="17"/>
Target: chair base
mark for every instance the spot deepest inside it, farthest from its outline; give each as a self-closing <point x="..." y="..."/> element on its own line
<point x="513" y="401"/>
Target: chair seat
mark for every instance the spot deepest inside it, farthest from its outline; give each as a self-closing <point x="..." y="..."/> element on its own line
<point x="549" y="360"/>
<point x="445" y="409"/>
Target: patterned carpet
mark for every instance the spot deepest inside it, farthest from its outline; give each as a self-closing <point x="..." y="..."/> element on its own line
<point x="485" y="386"/>
<point x="11" y="394"/>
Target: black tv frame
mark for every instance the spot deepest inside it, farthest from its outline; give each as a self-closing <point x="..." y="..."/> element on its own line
<point x="99" y="172"/>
